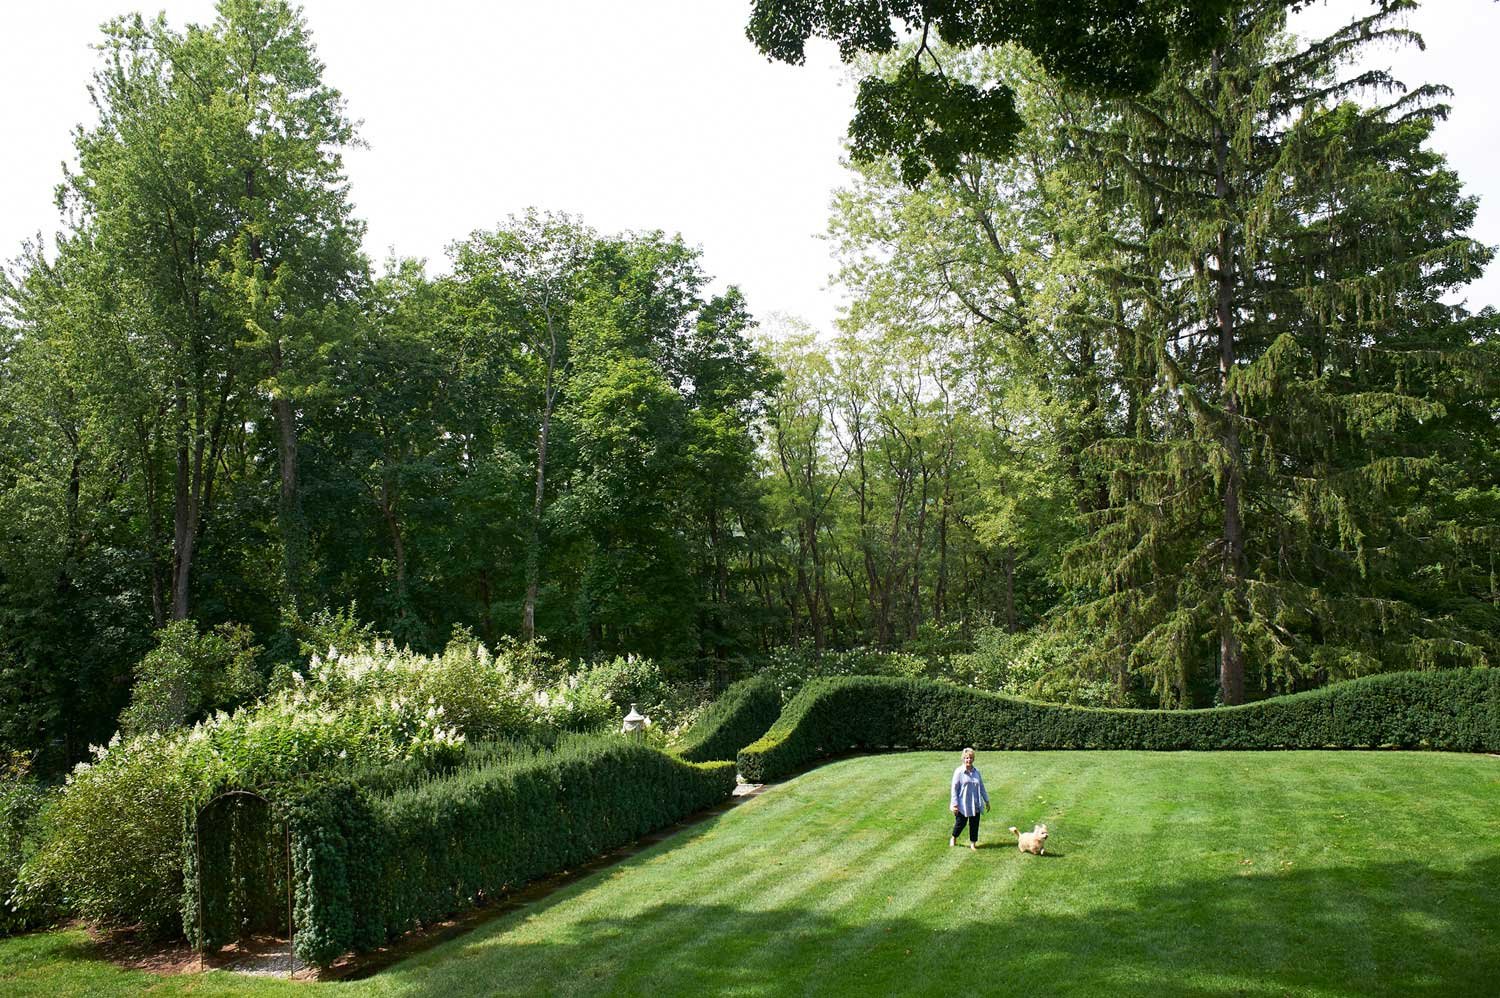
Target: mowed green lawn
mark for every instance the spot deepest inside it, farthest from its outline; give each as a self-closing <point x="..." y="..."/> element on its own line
<point x="1302" y="873"/>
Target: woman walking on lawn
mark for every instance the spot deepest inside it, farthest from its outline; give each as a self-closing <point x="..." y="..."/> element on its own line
<point x="967" y="800"/>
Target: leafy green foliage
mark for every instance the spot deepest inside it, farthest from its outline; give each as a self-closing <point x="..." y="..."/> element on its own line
<point x="1455" y="710"/>
<point x="236" y="848"/>
<point x="1272" y="505"/>
<point x="1163" y="366"/>
<point x="189" y="675"/>
<point x="1229" y="426"/>
<point x="110" y="846"/>
<point x="792" y="668"/>
<point x="111" y="841"/>
<point x="851" y="852"/>
<point x="744" y="713"/>
<point x="930" y="123"/>
<point x="1041" y="664"/>
<point x="933" y="123"/>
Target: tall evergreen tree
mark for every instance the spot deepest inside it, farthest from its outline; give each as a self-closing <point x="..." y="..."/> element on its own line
<point x="1288" y="253"/>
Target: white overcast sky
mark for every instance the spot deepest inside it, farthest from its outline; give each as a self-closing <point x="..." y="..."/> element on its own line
<point x="640" y="115"/>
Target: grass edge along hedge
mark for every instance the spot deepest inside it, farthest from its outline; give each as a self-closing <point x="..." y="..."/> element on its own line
<point x="370" y="868"/>
<point x="1456" y="709"/>
<point x="744" y="713"/>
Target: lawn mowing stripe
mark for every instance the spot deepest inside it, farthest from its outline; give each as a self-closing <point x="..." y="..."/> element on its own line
<point x="922" y="850"/>
<point x="1148" y="889"/>
<point x="894" y="848"/>
<point x="659" y="928"/>
<point x="1407" y="888"/>
<point x="775" y="884"/>
<point x="995" y="894"/>
<point x="797" y="886"/>
<point x="938" y="876"/>
<point x="797" y="877"/>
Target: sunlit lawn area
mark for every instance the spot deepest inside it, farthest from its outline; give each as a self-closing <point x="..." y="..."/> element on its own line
<point x="1304" y="873"/>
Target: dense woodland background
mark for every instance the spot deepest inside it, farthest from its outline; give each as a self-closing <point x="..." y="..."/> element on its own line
<point x="1169" y="400"/>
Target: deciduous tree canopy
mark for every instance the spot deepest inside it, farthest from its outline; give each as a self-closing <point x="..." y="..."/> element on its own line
<point x="1159" y="388"/>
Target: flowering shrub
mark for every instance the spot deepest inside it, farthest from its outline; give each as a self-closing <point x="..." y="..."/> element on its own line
<point x="110" y="840"/>
<point x="111" y="844"/>
<point x="599" y="697"/>
<point x="463" y="690"/>
<point x="111" y="847"/>
<point x="1039" y="664"/>
<point x="794" y="667"/>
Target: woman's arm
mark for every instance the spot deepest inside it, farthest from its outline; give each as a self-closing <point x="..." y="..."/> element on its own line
<point x="953" y="793"/>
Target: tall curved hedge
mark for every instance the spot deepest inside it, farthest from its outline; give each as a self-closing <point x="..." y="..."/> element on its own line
<point x="744" y="713"/>
<point x="369" y="868"/>
<point x="1457" y="710"/>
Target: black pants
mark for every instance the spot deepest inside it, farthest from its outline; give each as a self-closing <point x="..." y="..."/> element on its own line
<point x="958" y="826"/>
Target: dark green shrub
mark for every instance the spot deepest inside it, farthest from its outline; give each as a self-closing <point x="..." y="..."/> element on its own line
<point x="21" y="801"/>
<point x="744" y="713"/>
<point x="1457" y="710"/>
<point x="371" y="868"/>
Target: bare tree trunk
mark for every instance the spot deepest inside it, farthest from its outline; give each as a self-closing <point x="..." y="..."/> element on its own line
<point x="813" y="594"/>
<point x="720" y="590"/>
<point x="1010" y="589"/>
<point x="914" y="619"/>
<point x="150" y="485"/>
<point x="940" y="588"/>
<point x="1231" y="655"/>
<point x="293" y="540"/>
<point x="184" y="514"/>
<point x="486" y="617"/>
<point x="534" y="540"/>
<point x="388" y="500"/>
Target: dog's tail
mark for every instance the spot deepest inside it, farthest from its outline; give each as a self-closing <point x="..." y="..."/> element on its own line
<point x="1014" y="830"/>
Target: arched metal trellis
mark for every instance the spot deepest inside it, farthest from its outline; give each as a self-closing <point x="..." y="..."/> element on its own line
<point x="241" y="796"/>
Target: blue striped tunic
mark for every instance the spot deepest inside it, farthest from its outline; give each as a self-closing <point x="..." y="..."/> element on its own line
<point x="968" y="793"/>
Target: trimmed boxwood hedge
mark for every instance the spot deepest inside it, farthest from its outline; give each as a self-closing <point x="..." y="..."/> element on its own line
<point x="744" y="713"/>
<point x="1458" y="710"/>
<point x="369" y="868"/>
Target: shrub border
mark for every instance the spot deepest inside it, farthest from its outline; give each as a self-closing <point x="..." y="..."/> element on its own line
<point x="1456" y="710"/>
<point x="744" y="713"/>
<point x="369" y="869"/>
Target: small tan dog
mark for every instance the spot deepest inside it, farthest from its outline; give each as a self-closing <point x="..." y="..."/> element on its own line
<point x="1034" y="841"/>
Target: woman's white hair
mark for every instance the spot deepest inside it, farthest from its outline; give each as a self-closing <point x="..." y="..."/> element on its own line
<point x="967" y="752"/>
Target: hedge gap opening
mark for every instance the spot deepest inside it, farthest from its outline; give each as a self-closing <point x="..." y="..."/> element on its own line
<point x="239" y="884"/>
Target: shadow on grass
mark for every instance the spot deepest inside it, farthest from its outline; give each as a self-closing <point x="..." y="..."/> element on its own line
<point x="1398" y="928"/>
<point x="529" y="899"/>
